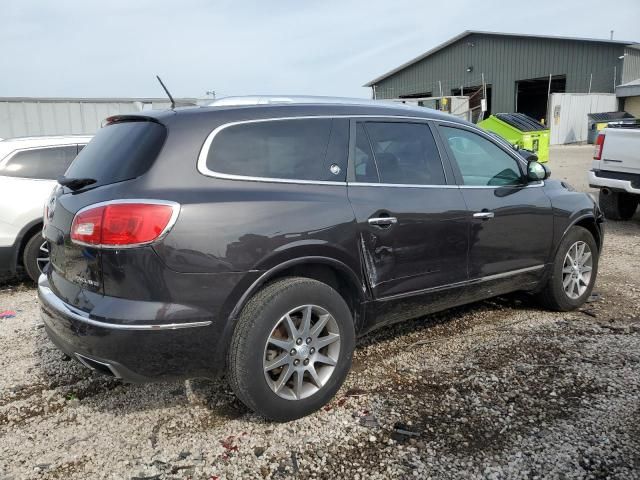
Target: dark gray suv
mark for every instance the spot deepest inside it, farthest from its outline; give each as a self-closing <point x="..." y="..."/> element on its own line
<point x="260" y="240"/>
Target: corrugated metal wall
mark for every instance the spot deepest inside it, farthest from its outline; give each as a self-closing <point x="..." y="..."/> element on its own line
<point x="21" y="117"/>
<point x="569" y="114"/>
<point x="631" y="65"/>
<point x="505" y="60"/>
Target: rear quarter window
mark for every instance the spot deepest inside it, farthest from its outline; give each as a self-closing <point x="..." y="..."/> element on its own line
<point x="46" y="163"/>
<point x="118" y="152"/>
<point x="293" y="149"/>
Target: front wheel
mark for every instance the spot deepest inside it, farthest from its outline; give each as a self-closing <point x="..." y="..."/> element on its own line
<point x="575" y="268"/>
<point x="291" y="348"/>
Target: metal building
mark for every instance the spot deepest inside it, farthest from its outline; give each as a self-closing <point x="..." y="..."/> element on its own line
<point x="515" y="73"/>
<point x="26" y="116"/>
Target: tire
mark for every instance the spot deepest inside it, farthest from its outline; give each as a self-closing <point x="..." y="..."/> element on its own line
<point x="250" y="352"/>
<point x="618" y="205"/>
<point x="32" y="254"/>
<point x="554" y="295"/>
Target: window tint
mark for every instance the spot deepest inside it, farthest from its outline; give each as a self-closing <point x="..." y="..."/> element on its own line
<point x="405" y="153"/>
<point x="481" y="162"/>
<point x="365" y="168"/>
<point x="119" y="151"/>
<point x="44" y="163"/>
<point x="285" y="149"/>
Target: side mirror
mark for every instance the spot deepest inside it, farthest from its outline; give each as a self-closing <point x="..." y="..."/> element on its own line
<point x="536" y="172"/>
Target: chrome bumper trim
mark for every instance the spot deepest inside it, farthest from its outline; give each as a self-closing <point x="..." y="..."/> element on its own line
<point x="52" y="301"/>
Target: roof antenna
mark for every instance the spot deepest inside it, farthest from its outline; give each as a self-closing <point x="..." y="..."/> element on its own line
<point x="173" y="103"/>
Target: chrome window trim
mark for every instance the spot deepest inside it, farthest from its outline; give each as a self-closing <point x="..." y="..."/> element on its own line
<point x="464" y="283"/>
<point x="174" y="217"/>
<point x="55" y="303"/>
<point x="204" y="151"/>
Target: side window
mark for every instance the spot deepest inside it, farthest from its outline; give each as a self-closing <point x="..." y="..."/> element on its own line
<point x="365" y="167"/>
<point x="405" y="153"/>
<point x="42" y="163"/>
<point x="481" y="162"/>
<point x="296" y="149"/>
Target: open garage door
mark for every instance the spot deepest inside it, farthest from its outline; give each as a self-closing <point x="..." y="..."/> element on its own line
<point x="532" y="95"/>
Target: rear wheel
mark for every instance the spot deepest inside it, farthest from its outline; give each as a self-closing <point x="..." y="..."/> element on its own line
<point x="574" y="271"/>
<point x="618" y="205"/>
<point x="291" y="349"/>
<point x="35" y="256"/>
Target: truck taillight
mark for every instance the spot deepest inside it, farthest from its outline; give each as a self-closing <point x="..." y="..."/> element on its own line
<point x="123" y="224"/>
<point x="597" y="153"/>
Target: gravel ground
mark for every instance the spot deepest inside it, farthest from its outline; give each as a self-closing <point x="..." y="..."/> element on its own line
<point x="498" y="389"/>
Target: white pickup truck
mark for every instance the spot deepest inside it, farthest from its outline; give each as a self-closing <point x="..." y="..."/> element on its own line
<point x="616" y="172"/>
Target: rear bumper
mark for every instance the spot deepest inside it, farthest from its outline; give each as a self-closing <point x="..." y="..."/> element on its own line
<point x="601" y="180"/>
<point x="135" y="352"/>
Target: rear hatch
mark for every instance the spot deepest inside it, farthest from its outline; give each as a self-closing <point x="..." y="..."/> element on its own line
<point x="121" y="151"/>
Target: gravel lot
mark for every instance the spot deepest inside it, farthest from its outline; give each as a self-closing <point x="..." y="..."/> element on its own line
<point x="498" y="389"/>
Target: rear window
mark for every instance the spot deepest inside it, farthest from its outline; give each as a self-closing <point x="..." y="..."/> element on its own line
<point x="42" y="163"/>
<point x="296" y="149"/>
<point x="118" y="152"/>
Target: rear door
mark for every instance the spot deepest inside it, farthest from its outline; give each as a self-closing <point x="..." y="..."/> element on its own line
<point x="412" y="220"/>
<point x="511" y="219"/>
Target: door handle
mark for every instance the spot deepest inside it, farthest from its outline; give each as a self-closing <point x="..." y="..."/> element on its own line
<point x="382" y="221"/>
<point x="484" y="215"/>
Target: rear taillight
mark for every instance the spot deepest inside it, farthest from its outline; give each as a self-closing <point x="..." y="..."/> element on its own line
<point x="597" y="153"/>
<point x="123" y="224"/>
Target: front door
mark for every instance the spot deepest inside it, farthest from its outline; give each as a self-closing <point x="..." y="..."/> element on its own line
<point x="412" y="219"/>
<point x="511" y="219"/>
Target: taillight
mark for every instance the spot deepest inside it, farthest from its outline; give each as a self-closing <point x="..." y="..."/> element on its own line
<point x="597" y="153"/>
<point x="121" y="224"/>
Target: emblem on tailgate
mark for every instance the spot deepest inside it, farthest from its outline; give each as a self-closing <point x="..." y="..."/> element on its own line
<point x="86" y="281"/>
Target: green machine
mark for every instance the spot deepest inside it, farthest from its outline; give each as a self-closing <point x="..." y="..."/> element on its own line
<point x="521" y="130"/>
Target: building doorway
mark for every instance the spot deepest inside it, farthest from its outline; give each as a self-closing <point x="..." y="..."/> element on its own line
<point x="532" y="95"/>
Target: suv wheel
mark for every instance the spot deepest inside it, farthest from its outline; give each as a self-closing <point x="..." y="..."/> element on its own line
<point x="618" y="205"/>
<point x="291" y="348"/>
<point x="574" y="271"/>
<point x="35" y="256"/>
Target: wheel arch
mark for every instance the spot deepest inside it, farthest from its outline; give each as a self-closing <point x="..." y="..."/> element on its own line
<point x="25" y="235"/>
<point x="324" y="269"/>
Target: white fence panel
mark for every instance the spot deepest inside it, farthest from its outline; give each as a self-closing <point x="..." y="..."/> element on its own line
<point x="569" y="111"/>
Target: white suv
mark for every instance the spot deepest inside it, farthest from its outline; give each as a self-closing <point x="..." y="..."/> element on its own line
<point x="29" y="168"/>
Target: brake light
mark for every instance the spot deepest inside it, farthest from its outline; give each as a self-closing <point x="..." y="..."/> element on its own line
<point x="597" y="153"/>
<point x="122" y="224"/>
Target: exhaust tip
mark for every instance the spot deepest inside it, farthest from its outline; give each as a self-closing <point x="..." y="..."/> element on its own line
<point x="102" y="367"/>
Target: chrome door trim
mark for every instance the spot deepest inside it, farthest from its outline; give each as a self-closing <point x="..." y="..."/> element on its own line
<point x="484" y="215"/>
<point x="465" y="283"/>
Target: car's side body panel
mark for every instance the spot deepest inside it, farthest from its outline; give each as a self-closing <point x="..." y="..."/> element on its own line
<point x="234" y="235"/>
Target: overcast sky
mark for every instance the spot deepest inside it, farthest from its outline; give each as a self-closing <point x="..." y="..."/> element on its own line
<point x="83" y="48"/>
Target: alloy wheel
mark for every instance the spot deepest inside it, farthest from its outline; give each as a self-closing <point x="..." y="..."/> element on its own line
<point x="576" y="270"/>
<point x="302" y="352"/>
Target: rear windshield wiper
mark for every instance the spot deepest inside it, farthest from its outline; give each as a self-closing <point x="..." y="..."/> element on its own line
<point x="76" y="183"/>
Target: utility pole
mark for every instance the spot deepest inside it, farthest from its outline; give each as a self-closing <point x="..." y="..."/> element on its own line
<point x="590" y="79"/>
